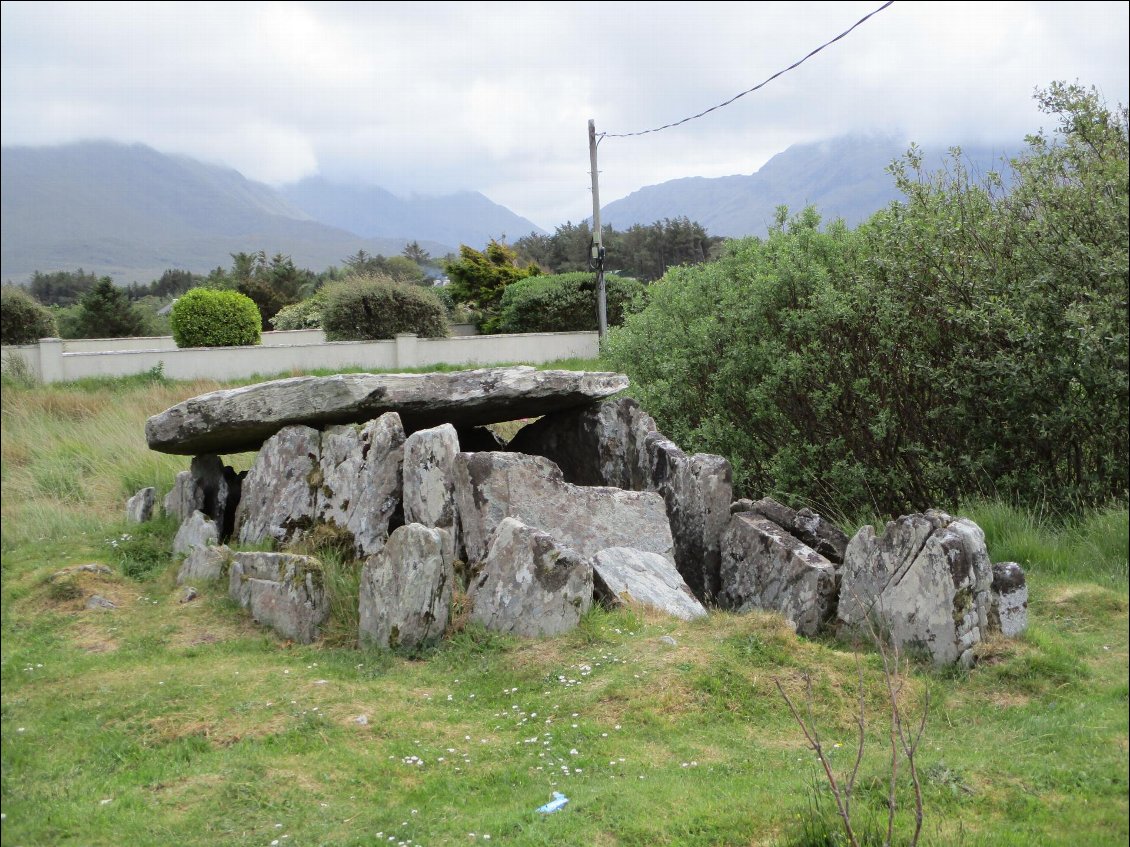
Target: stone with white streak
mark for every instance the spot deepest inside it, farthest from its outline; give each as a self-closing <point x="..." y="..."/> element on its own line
<point x="925" y="584"/>
<point x="139" y="507"/>
<point x="530" y="584"/>
<point x="406" y="589"/>
<point x="764" y="567"/>
<point x="429" y="481"/>
<point x="1008" y="614"/>
<point x="280" y="491"/>
<point x="624" y="575"/>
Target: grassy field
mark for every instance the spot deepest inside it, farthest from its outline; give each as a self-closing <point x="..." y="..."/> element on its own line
<point x="161" y="722"/>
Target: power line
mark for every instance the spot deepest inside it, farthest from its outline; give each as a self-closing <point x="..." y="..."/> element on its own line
<point x="762" y="84"/>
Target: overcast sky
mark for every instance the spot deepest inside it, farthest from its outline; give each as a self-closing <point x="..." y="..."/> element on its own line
<point x="495" y="97"/>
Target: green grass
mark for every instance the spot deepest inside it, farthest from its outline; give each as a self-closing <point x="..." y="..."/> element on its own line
<point x="164" y="722"/>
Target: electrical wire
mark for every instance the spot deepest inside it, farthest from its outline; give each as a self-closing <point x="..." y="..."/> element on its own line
<point x="762" y="84"/>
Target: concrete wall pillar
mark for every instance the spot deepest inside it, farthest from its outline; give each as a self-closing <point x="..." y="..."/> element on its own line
<point x="407" y="354"/>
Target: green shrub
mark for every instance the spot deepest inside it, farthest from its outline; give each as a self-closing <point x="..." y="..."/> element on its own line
<point x="22" y="319"/>
<point x="564" y="302"/>
<point x="362" y="308"/>
<point x="970" y="341"/>
<point x="305" y="314"/>
<point x="205" y="317"/>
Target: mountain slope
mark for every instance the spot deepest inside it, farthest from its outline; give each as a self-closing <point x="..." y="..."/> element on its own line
<point x="843" y="177"/>
<point x="466" y="217"/>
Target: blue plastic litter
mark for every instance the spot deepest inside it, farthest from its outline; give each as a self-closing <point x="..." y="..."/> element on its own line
<point x="555" y="804"/>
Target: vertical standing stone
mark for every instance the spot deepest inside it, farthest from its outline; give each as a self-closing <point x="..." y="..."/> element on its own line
<point x="280" y="491"/>
<point x="429" y="481"/>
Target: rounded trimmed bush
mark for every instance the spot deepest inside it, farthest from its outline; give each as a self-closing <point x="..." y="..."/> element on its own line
<point x="305" y="314"/>
<point x="206" y="317"/>
<point x="564" y="302"/>
<point x="368" y="308"/>
<point x="23" y="320"/>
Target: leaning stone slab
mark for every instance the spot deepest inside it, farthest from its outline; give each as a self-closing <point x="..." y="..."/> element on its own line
<point x="239" y="419"/>
<point x="184" y="498"/>
<point x="198" y="531"/>
<point x="406" y="589"/>
<point x="764" y="567"/>
<point x="280" y="491"/>
<point x="429" y="481"/>
<point x="925" y="584"/>
<point x="530" y="584"/>
<point x="204" y="564"/>
<point x="490" y="487"/>
<point x="139" y="507"/>
<point x="623" y="575"/>
<point x="812" y="529"/>
<point x="1008" y="613"/>
<point x="359" y="486"/>
<point x="282" y="591"/>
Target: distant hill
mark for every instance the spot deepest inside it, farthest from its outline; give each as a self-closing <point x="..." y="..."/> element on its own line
<point x="131" y="212"/>
<point x="843" y="177"/>
<point x="466" y="217"/>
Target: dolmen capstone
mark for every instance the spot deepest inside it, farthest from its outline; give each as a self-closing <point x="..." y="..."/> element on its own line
<point x="589" y="503"/>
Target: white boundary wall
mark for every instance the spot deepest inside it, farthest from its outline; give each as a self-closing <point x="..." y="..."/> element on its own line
<point x="56" y="360"/>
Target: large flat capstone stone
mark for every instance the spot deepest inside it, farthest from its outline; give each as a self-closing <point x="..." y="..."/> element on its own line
<point x="239" y="419"/>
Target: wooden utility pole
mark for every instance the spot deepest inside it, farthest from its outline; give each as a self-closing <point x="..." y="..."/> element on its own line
<point x="597" y="258"/>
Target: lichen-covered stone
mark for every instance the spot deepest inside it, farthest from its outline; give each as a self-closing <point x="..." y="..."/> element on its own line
<point x="530" y="584"/>
<point x="925" y="584"/>
<point x="624" y="575"/>
<point x="359" y="485"/>
<point x="204" y="564"/>
<point x="1008" y="613"/>
<point x="282" y="591"/>
<point x="812" y="529"/>
<point x="139" y="507"/>
<point x="280" y="491"/>
<point x="490" y="487"/>
<point x="429" y="481"/>
<point x="184" y="498"/>
<point x="764" y="567"/>
<point x="238" y="419"/>
<point x="198" y="531"/>
<point x="406" y="589"/>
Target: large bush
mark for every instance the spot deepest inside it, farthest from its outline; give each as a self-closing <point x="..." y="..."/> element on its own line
<point x="563" y="302"/>
<point x="970" y="340"/>
<point x="305" y="314"/>
<point x="22" y="319"/>
<point x="376" y="307"/>
<point x="205" y="317"/>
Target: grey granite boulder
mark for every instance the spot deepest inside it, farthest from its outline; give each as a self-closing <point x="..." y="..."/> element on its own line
<point x="764" y="567"/>
<point x="816" y="531"/>
<point x="406" y="589"/>
<point x="925" y="584"/>
<point x="359" y="485"/>
<point x="429" y="481"/>
<point x="615" y="443"/>
<point x="139" y="507"/>
<point x="282" y="591"/>
<point x="530" y="584"/>
<point x="624" y="575"/>
<point x="205" y="564"/>
<point x="490" y="487"/>
<point x="198" y="531"/>
<point x="280" y="491"/>
<point x="238" y="419"/>
<point x="1008" y="612"/>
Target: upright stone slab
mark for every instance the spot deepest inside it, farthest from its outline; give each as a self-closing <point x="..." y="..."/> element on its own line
<point x="282" y="591"/>
<point x="139" y="507"/>
<point x="280" y="491"/>
<point x="615" y="443"/>
<point x="490" y="487"/>
<point x="925" y="584"/>
<point x="238" y="419"/>
<point x="358" y="486"/>
<point x="198" y="531"/>
<point x="205" y="564"/>
<point x="530" y="584"/>
<point x="623" y="575"/>
<point x="184" y="498"/>
<point x="1008" y="612"/>
<point x="429" y="481"/>
<point x="406" y="589"/>
<point x="764" y="567"/>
